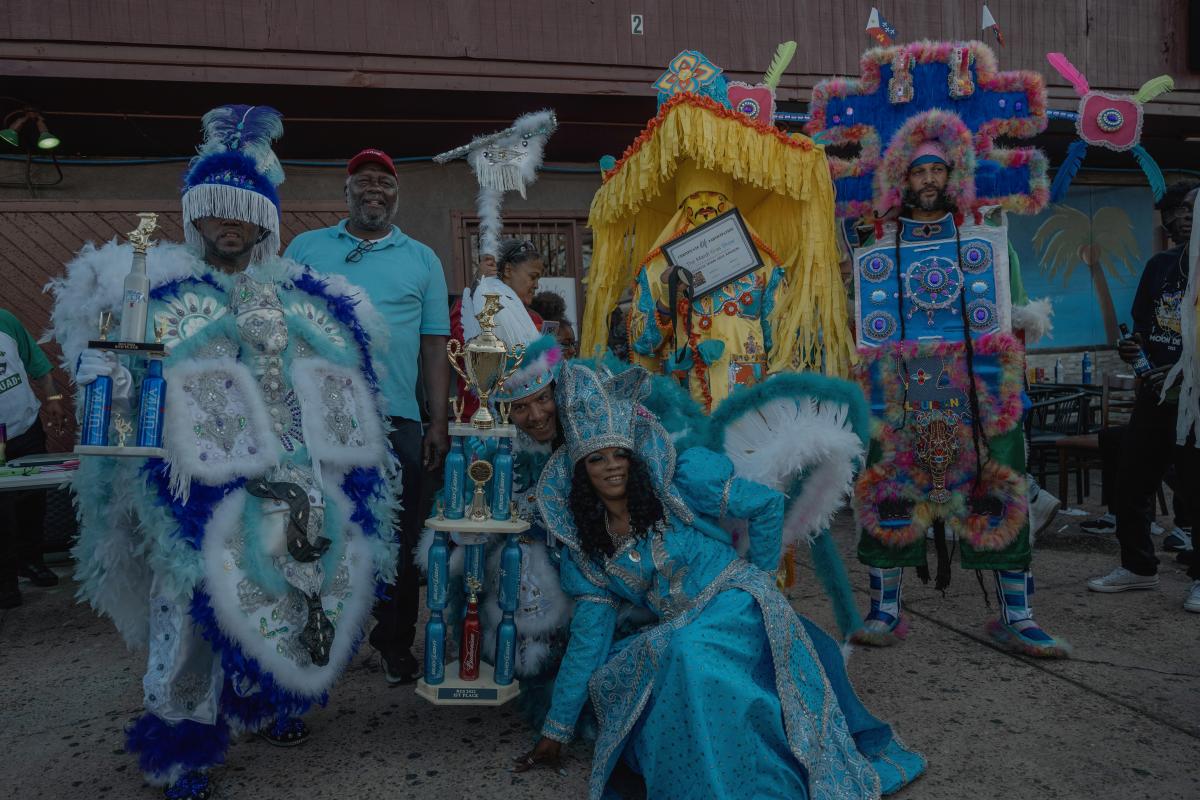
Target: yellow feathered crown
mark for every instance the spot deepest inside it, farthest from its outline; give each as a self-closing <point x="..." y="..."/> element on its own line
<point x="780" y="184"/>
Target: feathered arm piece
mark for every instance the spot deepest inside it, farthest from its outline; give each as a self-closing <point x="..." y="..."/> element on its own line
<point x="1153" y="88"/>
<point x="1067" y="169"/>
<point x="779" y="64"/>
<point x="1065" y="68"/>
<point x="249" y="130"/>
<point x="1158" y="184"/>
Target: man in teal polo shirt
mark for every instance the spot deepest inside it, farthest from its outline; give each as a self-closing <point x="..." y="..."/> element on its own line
<point x="404" y="280"/>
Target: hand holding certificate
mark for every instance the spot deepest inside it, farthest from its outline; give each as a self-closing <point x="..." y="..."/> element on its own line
<point x="716" y="253"/>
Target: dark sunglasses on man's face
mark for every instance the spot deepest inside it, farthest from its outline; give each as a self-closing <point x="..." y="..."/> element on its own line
<point x="360" y="250"/>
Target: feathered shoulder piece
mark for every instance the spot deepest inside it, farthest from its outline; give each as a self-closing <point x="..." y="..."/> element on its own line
<point x="93" y="282"/>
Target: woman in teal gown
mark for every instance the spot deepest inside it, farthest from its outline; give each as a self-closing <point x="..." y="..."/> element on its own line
<point x="732" y="694"/>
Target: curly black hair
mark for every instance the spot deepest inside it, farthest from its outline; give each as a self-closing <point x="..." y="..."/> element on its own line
<point x="645" y="509"/>
<point x="550" y="306"/>
<point x="1174" y="197"/>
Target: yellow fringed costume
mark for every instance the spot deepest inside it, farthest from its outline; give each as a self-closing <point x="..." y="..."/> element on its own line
<point x="696" y="158"/>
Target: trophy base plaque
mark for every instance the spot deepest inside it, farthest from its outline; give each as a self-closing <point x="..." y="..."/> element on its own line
<point x="467" y="525"/>
<point x="130" y="348"/>
<point x="114" y="451"/>
<point x="500" y="431"/>
<point x="454" y="691"/>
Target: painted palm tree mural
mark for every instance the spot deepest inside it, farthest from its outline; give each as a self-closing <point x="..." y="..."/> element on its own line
<point x="1103" y="242"/>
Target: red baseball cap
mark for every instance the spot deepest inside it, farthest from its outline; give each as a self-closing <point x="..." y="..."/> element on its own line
<point x="371" y="156"/>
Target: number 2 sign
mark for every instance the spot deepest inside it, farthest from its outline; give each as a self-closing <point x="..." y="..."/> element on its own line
<point x="637" y="24"/>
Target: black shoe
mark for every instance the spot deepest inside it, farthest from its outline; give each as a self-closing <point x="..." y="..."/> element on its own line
<point x="287" y="732"/>
<point x="404" y="673"/>
<point x="10" y="597"/>
<point x="40" y="574"/>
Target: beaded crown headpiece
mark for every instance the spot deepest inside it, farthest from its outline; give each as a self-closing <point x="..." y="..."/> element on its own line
<point x="599" y="409"/>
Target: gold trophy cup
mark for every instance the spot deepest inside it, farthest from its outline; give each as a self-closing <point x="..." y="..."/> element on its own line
<point x="485" y="359"/>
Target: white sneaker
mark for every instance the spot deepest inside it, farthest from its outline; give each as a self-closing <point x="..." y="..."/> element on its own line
<point x="1192" y="602"/>
<point x="1156" y="529"/>
<point x="1122" y="580"/>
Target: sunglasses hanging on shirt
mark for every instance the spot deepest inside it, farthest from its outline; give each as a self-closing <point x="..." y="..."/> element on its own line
<point x="361" y="249"/>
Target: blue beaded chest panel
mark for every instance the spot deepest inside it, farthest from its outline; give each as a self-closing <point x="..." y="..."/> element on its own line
<point x="923" y="294"/>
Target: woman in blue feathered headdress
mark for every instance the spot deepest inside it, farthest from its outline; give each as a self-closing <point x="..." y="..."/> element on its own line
<point x="731" y="690"/>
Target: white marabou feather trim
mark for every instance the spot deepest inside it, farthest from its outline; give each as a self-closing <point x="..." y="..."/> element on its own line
<point x="1034" y="318"/>
<point x="254" y="449"/>
<point x="308" y="681"/>
<point x="791" y="437"/>
<point x="94" y="282"/>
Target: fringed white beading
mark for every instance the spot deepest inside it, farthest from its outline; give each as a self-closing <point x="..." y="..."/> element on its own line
<point x="504" y="162"/>
<point x="231" y="202"/>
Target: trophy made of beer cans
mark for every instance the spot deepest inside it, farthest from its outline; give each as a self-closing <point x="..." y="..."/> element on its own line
<point x="101" y="422"/>
<point x="476" y="506"/>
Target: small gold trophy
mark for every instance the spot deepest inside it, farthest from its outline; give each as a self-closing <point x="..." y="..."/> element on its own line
<point x="123" y="427"/>
<point x="106" y="321"/>
<point x="480" y="472"/>
<point x="486" y="360"/>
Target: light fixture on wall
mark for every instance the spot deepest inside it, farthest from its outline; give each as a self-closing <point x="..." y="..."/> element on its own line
<point x="15" y="121"/>
<point x="26" y="130"/>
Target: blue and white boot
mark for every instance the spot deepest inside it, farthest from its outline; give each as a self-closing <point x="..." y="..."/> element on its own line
<point x="885" y="625"/>
<point x="1015" y="629"/>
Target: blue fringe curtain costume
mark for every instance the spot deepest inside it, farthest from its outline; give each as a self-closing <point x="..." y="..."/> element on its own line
<point x="246" y="560"/>
<point x="731" y="693"/>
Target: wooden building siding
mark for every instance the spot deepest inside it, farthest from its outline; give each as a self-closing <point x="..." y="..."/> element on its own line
<point x="564" y="46"/>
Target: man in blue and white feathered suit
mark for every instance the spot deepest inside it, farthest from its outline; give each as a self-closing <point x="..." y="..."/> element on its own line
<point x="247" y="559"/>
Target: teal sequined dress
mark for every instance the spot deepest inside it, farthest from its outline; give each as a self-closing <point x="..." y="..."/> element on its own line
<point x="731" y="694"/>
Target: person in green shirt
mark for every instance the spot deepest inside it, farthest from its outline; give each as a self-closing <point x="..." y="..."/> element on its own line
<point x="23" y="364"/>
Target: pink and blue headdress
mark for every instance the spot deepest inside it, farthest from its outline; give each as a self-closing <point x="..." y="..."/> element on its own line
<point x="539" y="367"/>
<point x="235" y="174"/>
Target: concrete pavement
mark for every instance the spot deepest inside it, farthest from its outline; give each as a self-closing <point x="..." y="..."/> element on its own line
<point x="1119" y="720"/>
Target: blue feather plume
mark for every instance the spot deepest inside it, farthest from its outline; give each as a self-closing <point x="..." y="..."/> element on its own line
<point x="163" y="747"/>
<point x="1066" y="170"/>
<point x="1158" y="183"/>
<point x="249" y="130"/>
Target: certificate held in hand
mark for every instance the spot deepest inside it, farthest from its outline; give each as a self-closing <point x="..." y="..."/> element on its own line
<point x="716" y="253"/>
